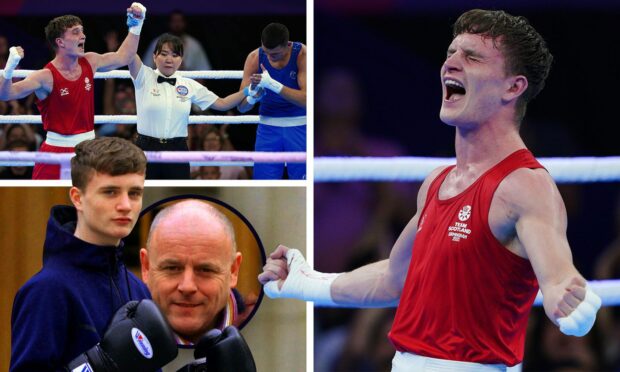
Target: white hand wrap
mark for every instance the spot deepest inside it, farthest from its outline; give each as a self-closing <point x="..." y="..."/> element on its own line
<point x="268" y="83"/>
<point x="302" y="282"/>
<point x="135" y="24"/>
<point x="254" y="95"/>
<point x="581" y="320"/>
<point x="11" y="63"/>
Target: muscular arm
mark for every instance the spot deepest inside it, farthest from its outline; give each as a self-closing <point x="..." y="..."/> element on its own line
<point x="541" y="224"/>
<point x="39" y="82"/>
<point x="380" y="284"/>
<point x="128" y="49"/>
<point x="298" y="96"/>
<point x="113" y="60"/>
<point x="375" y="285"/>
<point x="250" y="67"/>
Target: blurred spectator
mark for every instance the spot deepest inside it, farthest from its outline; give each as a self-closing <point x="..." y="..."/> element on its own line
<point x="118" y="99"/>
<point x="194" y="56"/>
<point x="209" y="173"/>
<point x="21" y="173"/>
<point x="4" y="50"/>
<point x="608" y="318"/>
<point x="548" y="349"/>
<point x="374" y="211"/>
<point x="214" y="141"/>
<point x="363" y="346"/>
<point x="19" y="132"/>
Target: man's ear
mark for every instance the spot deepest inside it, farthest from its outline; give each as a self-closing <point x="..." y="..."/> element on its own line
<point x="144" y="264"/>
<point x="76" y="195"/>
<point x="517" y="85"/>
<point x="234" y="269"/>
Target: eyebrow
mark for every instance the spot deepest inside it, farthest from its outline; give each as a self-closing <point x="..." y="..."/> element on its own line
<point x="169" y="261"/>
<point x="467" y="51"/>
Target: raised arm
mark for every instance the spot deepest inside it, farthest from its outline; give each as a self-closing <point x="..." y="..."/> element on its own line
<point x="128" y="49"/>
<point x="39" y="81"/>
<point x="541" y="224"/>
<point x="379" y="284"/>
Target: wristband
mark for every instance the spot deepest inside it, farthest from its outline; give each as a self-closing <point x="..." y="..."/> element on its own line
<point x="11" y="63"/>
<point x="581" y="320"/>
<point x="302" y="282"/>
<point x="135" y="24"/>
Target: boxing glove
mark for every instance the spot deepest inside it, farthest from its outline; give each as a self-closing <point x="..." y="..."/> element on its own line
<point x="225" y="351"/>
<point x="137" y="339"/>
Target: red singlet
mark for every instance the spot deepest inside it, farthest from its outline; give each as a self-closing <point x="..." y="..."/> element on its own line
<point x="68" y="109"/>
<point x="466" y="297"/>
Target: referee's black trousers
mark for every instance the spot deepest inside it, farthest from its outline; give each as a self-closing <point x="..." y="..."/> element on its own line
<point x="164" y="171"/>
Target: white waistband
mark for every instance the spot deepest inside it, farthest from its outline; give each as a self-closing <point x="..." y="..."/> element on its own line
<point x="413" y="362"/>
<point x="291" y="121"/>
<point x="64" y="140"/>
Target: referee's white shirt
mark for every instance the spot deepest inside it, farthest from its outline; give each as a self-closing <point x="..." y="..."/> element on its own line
<point x="163" y="109"/>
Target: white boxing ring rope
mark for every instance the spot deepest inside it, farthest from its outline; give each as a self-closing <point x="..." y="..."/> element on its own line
<point x="131" y="119"/>
<point x="23" y="158"/>
<point x="563" y="170"/>
<point x="196" y="158"/>
<point x="124" y="74"/>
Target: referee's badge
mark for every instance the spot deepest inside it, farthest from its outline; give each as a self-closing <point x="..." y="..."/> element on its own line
<point x="182" y="90"/>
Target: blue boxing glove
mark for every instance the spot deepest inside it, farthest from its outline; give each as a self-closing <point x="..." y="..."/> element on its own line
<point x="135" y="21"/>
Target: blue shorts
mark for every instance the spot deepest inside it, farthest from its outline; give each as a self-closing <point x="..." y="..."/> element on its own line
<point x="280" y="139"/>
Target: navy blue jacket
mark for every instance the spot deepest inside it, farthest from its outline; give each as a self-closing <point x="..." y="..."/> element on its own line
<point x="64" y="309"/>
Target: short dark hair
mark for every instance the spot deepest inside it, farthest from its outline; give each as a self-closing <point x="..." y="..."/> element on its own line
<point x="109" y="155"/>
<point x="56" y="28"/>
<point x="175" y="43"/>
<point x="525" y="51"/>
<point x="274" y="35"/>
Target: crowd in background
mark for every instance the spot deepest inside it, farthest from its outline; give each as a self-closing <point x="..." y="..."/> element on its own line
<point x="222" y="45"/>
<point x="386" y="103"/>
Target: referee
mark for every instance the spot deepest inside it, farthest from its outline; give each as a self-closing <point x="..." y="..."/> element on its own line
<point x="164" y="100"/>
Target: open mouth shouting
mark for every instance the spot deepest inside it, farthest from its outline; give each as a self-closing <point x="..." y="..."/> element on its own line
<point x="454" y="90"/>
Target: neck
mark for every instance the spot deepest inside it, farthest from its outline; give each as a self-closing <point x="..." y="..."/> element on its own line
<point x="65" y="62"/>
<point x="485" y="145"/>
<point x="82" y="233"/>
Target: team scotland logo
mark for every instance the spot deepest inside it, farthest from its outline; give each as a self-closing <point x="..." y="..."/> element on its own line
<point x="293" y="75"/>
<point x="465" y="213"/>
<point x="182" y="90"/>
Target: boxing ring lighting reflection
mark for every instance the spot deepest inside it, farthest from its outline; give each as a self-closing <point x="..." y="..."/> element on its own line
<point x="563" y="170"/>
